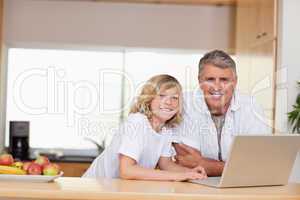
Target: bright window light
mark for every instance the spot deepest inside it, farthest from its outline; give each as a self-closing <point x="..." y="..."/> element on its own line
<point x="70" y="95"/>
<point x="60" y="92"/>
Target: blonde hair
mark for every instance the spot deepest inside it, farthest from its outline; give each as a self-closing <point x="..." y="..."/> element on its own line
<point x="149" y="91"/>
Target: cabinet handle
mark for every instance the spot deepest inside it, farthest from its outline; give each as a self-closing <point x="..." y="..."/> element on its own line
<point x="258" y="36"/>
<point x="264" y="34"/>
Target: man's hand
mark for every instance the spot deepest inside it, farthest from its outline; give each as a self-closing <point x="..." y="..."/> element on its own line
<point x="187" y="156"/>
<point x="190" y="157"/>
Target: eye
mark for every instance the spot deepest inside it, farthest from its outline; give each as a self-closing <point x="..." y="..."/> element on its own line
<point x="175" y="98"/>
<point x="224" y="80"/>
<point x="210" y="79"/>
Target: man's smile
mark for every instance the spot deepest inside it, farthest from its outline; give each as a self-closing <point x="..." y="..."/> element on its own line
<point x="216" y="94"/>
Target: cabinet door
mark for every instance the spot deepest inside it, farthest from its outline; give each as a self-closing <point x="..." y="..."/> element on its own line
<point x="255" y="51"/>
<point x="73" y="169"/>
<point x="263" y="21"/>
<point x="243" y="37"/>
<point x="257" y="18"/>
<point x="1" y="31"/>
<point x="261" y="77"/>
<point x="267" y="17"/>
<point x="247" y="22"/>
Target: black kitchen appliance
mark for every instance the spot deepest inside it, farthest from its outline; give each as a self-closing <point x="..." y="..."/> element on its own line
<point x="19" y="139"/>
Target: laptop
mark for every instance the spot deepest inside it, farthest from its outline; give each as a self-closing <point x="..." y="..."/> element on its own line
<point x="263" y="160"/>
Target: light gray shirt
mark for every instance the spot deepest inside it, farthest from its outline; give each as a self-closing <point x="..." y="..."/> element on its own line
<point x="244" y="116"/>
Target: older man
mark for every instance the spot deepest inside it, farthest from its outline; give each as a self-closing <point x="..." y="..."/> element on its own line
<point x="214" y="114"/>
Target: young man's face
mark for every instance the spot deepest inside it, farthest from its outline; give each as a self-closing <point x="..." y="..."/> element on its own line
<point x="165" y="105"/>
<point x="218" y="86"/>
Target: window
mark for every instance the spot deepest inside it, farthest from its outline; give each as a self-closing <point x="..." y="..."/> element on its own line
<point x="69" y="95"/>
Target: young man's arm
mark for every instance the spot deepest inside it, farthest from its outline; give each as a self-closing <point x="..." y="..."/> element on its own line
<point x="191" y="157"/>
<point x="129" y="169"/>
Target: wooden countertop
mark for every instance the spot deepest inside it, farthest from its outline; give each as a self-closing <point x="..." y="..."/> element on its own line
<point x="78" y="188"/>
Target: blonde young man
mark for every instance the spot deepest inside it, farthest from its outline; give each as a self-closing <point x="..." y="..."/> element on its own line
<point x="142" y="141"/>
<point x="214" y="114"/>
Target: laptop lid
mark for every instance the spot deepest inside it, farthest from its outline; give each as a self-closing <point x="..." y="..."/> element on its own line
<point x="260" y="160"/>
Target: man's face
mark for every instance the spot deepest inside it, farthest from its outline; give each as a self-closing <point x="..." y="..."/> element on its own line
<point x="218" y="86"/>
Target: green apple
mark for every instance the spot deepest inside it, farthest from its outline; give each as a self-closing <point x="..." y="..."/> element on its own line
<point x="51" y="169"/>
<point x="42" y="160"/>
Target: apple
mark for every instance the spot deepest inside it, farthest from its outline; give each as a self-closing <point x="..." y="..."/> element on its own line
<point x="34" y="169"/>
<point x="26" y="165"/>
<point x="51" y="169"/>
<point x="42" y="160"/>
<point x="6" y="159"/>
<point x="18" y="164"/>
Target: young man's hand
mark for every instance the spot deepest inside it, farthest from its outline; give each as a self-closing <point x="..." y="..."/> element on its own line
<point x="200" y="170"/>
<point x="184" y="176"/>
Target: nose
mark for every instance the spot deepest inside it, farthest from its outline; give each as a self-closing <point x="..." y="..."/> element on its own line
<point x="168" y="100"/>
<point x="217" y="85"/>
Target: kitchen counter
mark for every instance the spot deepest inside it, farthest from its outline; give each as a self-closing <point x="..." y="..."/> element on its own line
<point x="77" y="188"/>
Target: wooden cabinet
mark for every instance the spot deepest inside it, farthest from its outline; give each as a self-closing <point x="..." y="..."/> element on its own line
<point x="256" y="40"/>
<point x="262" y="76"/>
<point x="73" y="169"/>
<point x="1" y="30"/>
<point x="267" y="20"/>
<point x="2" y="104"/>
<point x="256" y="21"/>
<point x="258" y="18"/>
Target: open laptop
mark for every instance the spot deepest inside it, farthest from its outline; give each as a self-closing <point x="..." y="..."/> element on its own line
<point x="257" y="161"/>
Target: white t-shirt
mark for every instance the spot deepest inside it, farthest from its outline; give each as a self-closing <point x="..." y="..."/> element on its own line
<point x="244" y="116"/>
<point x="135" y="139"/>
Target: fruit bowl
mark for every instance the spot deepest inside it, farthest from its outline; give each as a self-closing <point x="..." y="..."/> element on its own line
<point x="29" y="178"/>
<point x="39" y="170"/>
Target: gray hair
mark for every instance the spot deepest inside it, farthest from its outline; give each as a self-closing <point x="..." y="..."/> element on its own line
<point x="217" y="58"/>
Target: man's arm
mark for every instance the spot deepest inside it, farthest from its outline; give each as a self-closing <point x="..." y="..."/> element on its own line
<point x="166" y="163"/>
<point x="191" y="157"/>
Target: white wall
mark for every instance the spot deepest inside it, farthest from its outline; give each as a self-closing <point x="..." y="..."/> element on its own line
<point x="289" y="67"/>
<point x="118" y="24"/>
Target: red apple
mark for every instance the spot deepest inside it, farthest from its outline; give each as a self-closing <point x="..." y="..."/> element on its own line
<point x="42" y="160"/>
<point x="6" y="159"/>
<point x="26" y="165"/>
<point x="34" y="169"/>
<point x="51" y="169"/>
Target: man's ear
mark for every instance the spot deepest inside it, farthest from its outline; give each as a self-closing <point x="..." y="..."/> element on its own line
<point x="235" y="82"/>
<point x="199" y="81"/>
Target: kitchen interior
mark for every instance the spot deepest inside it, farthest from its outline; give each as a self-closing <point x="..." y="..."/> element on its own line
<point x="261" y="35"/>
